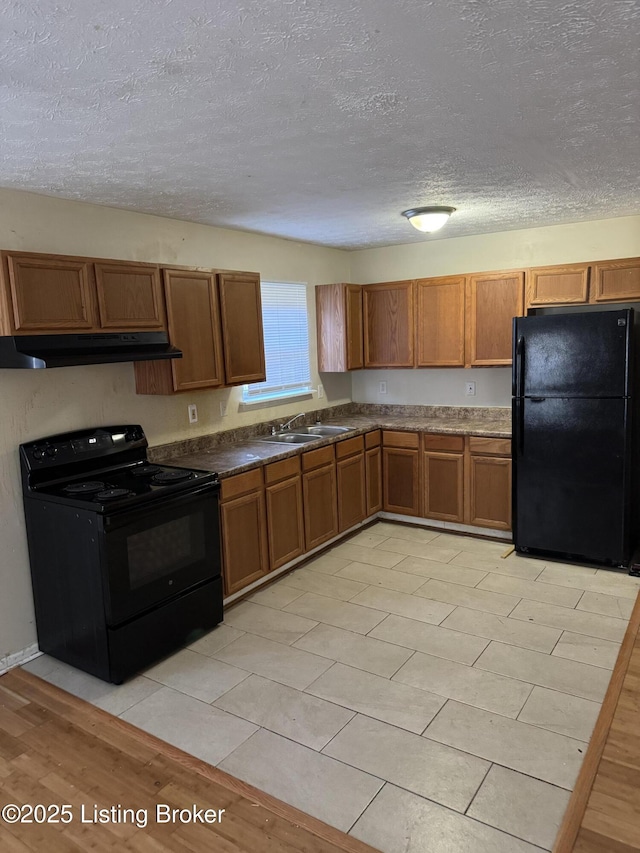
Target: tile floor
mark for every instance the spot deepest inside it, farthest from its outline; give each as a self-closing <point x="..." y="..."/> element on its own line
<point x="410" y="687"/>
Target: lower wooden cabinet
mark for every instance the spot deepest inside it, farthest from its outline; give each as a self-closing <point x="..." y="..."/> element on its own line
<point x="401" y="472"/>
<point x="443" y="477"/>
<point x="373" y="471"/>
<point x="319" y="497"/>
<point x="243" y="529"/>
<point x="285" y="525"/>
<point x="350" y="481"/>
<point x="489" y="482"/>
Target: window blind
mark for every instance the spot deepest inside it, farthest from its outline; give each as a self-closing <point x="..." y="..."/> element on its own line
<point x="286" y="342"/>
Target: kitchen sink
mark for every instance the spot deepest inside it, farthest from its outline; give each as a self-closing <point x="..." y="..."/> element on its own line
<point x="290" y="438"/>
<point x="321" y="430"/>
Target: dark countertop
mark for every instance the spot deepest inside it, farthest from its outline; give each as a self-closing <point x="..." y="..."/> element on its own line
<point x="239" y="456"/>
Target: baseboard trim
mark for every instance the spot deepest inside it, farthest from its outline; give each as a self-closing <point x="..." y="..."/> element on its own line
<point x="446" y="526"/>
<point x="18" y="658"/>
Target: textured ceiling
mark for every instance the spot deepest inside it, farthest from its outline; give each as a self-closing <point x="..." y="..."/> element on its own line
<point x="321" y="120"/>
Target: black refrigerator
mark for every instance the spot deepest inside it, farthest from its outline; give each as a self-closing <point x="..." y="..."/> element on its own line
<point x="574" y="451"/>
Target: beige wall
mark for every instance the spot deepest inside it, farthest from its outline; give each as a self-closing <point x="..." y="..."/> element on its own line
<point x="586" y="241"/>
<point x="43" y="402"/>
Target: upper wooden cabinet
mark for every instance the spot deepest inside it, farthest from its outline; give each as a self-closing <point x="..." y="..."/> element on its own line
<point x="241" y="320"/>
<point x="565" y="285"/>
<point x="55" y="293"/>
<point x="440" y="322"/>
<point x="616" y="281"/>
<point x="129" y="296"/>
<point x="217" y="347"/>
<point x="493" y="300"/>
<point x="339" y="327"/>
<point x="388" y="311"/>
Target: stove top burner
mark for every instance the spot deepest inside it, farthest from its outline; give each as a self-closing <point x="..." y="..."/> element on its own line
<point x="86" y="488"/>
<point x="172" y="476"/>
<point x="112" y="494"/>
<point x="146" y="471"/>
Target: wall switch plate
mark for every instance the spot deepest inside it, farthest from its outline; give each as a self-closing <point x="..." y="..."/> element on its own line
<point x="193" y="413"/>
<point x="320" y="392"/>
<point x="223" y="408"/>
<point x="382" y="388"/>
<point x="470" y="389"/>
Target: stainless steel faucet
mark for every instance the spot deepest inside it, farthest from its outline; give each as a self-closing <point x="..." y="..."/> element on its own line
<point x="290" y="421"/>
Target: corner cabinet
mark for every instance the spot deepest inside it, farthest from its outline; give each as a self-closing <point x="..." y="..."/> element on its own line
<point x="339" y="327"/>
<point x="216" y="320"/>
<point x="492" y="301"/>
<point x="388" y="312"/>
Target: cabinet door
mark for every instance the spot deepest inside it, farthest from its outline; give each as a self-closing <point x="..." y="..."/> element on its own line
<point x="285" y="524"/>
<point x="493" y="300"/>
<point x="444" y="485"/>
<point x="440" y="322"/>
<point x="320" y="505"/>
<point x="129" y="296"/>
<point x="388" y="324"/>
<point x="373" y="479"/>
<point x="566" y="285"/>
<point x="490" y="491"/>
<point x="401" y="480"/>
<point x="194" y="327"/>
<point x="241" y="320"/>
<point x="339" y="327"/>
<point x="244" y="541"/>
<point x="51" y="294"/>
<point x="616" y="281"/>
<point x="351" y="491"/>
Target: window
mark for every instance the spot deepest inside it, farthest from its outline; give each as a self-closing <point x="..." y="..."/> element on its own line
<point x="286" y="343"/>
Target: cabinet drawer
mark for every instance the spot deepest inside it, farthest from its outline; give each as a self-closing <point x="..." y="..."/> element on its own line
<point x="432" y="441"/>
<point x="490" y="446"/>
<point x="349" y="446"/>
<point x="316" y="458"/>
<point x="391" y="438"/>
<point x="240" y="484"/>
<point x="372" y="439"/>
<point x="281" y="470"/>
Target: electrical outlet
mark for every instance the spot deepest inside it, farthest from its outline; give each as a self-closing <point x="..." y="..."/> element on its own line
<point x="320" y="392"/>
<point x="193" y="413"/>
<point x="223" y="408"/>
<point x="470" y="389"/>
<point x="382" y="388"/>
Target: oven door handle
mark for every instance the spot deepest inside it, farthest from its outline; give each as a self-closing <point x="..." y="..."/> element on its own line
<point x="122" y="517"/>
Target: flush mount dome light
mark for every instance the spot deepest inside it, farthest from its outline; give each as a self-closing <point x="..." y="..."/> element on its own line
<point x="428" y="219"/>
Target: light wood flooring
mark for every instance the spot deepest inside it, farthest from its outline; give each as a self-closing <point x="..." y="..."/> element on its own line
<point x="411" y="687"/>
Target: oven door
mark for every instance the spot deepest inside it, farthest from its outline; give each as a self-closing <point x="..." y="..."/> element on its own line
<point x="155" y="553"/>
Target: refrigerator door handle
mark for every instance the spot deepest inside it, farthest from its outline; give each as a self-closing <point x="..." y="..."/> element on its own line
<point x="537" y="399"/>
<point x="520" y="366"/>
<point x="520" y="436"/>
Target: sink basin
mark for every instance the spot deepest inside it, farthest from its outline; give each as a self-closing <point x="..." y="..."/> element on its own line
<point x="323" y="430"/>
<point x="290" y="438"/>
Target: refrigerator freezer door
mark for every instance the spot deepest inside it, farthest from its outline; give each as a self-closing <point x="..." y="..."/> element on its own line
<point x="571" y="481"/>
<point x="573" y="355"/>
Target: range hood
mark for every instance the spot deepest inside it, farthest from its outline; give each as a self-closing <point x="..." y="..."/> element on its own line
<point x="38" y="351"/>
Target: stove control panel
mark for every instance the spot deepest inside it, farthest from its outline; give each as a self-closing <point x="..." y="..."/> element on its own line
<point x="83" y="445"/>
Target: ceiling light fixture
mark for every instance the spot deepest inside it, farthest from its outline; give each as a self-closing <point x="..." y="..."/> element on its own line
<point x="428" y="219"/>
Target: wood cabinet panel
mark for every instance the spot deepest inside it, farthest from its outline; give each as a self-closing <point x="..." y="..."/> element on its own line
<point x="316" y="458"/>
<point x="51" y="294"/>
<point x="490" y="446"/>
<point x="616" y="281"/>
<point x="320" y="505"/>
<point x="440" y="322"/>
<point x="240" y="484"/>
<point x="129" y="296"/>
<point x="285" y="526"/>
<point x="241" y="320"/>
<point x="373" y="479"/>
<point x="393" y="438"/>
<point x="350" y="476"/>
<point x="558" y="285"/>
<point x="401" y="480"/>
<point x="493" y="300"/>
<point x="372" y="439"/>
<point x="444" y="486"/>
<point x="194" y="327"/>
<point x="388" y="320"/>
<point x="435" y="441"/>
<point x="244" y="540"/>
<point x="339" y="327"/>
<point x="349" y="446"/>
<point x="276" y="471"/>
<point x="489" y="486"/>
